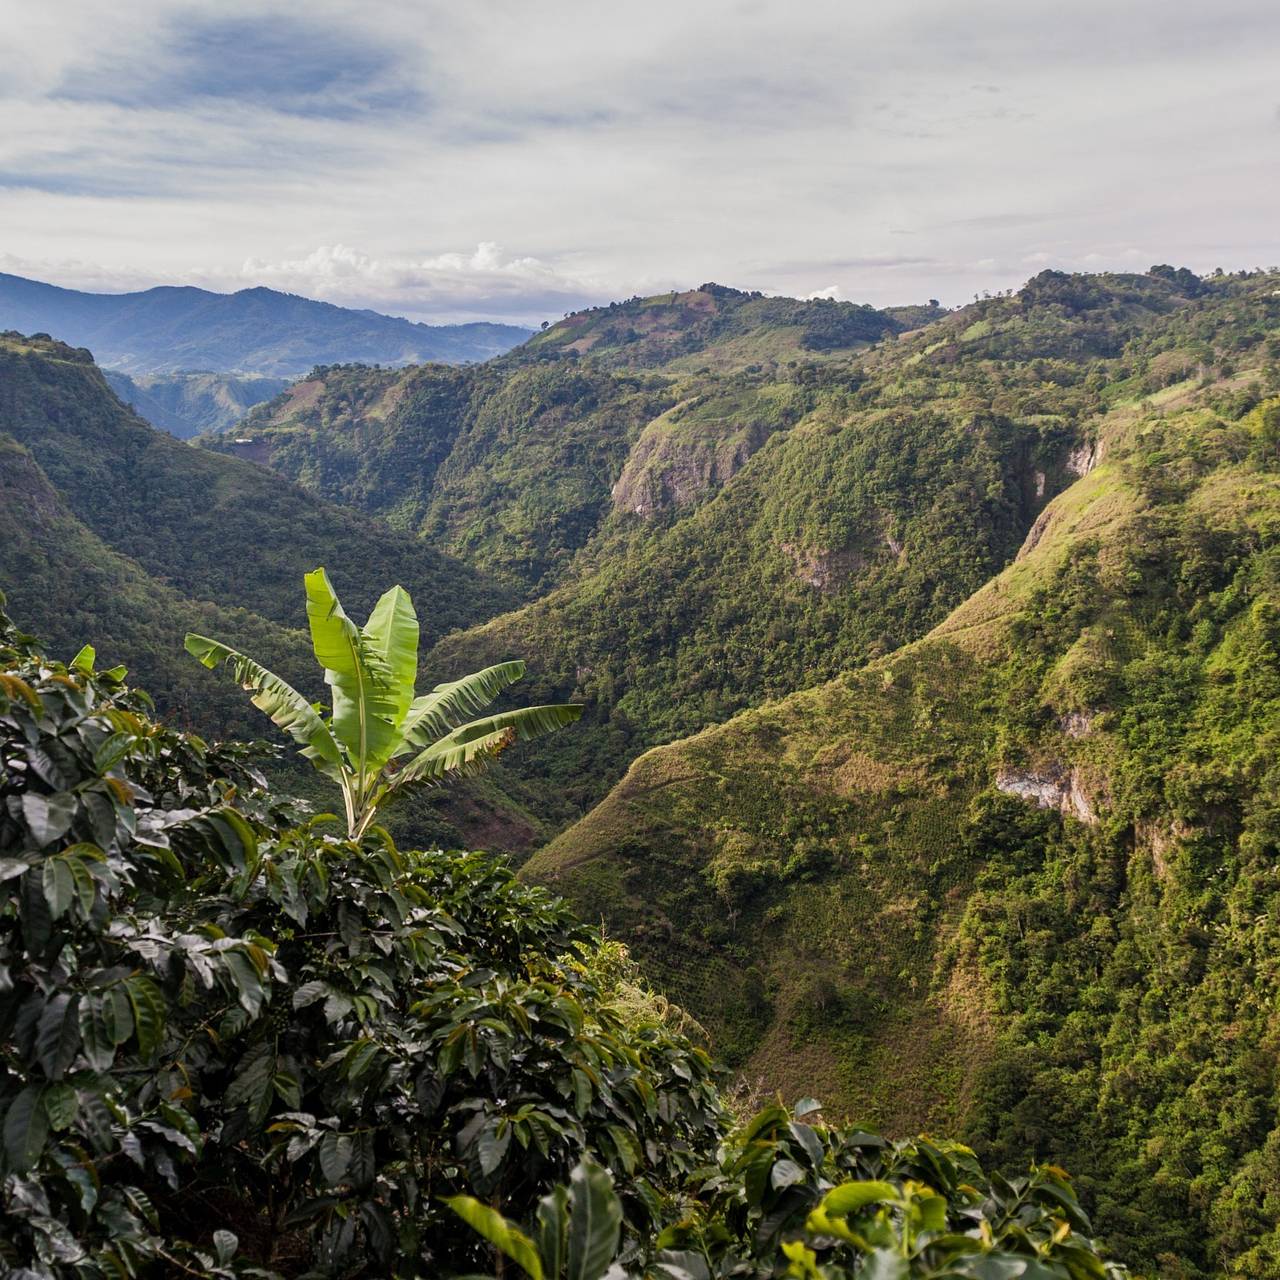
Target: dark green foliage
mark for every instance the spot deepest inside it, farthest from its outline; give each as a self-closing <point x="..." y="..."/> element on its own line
<point x="792" y="1196"/>
<point x="231" y="1043"/>
<point x="836" y="325"/>
<point x="309" y="1039"/>
<point x="212" y="528"/>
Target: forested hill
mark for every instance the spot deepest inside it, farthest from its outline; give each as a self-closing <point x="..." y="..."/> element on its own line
<point x="734" y="514"/>
<point x="185" y="404"/>
<point x="1018" y="879"/>
<point x="957" y="636"/>
<point x="512" y="465"/>
<point x="121" y="534"/>
<point x="769" y="525"/>
<point x="261" y="331"/>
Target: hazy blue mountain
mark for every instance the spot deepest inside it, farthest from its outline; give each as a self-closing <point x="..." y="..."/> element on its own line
<point x="169" y="329"/>
<point x="185" y="404"/>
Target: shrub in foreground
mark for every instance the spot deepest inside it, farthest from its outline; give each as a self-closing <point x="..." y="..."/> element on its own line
<point x="234" y="1042"/>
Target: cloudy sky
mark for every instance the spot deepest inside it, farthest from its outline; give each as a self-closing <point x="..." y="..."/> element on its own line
<point x="511" y="159"/>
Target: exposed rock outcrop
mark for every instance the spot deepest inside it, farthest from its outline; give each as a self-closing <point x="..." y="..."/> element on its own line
<point x="1052" y="787"/>
<point x="1077" y="724"/>
<point x="1083" y="458"/>
<point x="667" y="468"/>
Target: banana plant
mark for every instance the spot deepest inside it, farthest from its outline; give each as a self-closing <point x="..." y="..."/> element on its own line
<point x="576" y="1234"/>
<point x="376" y="720"/>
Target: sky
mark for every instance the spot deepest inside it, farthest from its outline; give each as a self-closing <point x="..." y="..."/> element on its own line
<point x="512" y="160"/>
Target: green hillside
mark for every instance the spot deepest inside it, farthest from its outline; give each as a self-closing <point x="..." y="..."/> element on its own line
<point x="697" y="531"/>
<point x="185" y="404"/>
<point x="513" y="465"/>
<point x="886" y="489"/>
<point x="210" y="527"/>
<point x="1017" y="878"/>
<point x="963" y="639"/>
<point x="115" y="533"/>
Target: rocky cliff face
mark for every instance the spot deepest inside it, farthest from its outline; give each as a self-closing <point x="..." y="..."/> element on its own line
<point x="669" y="469"/>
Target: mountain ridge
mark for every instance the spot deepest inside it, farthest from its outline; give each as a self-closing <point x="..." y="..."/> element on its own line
<point x="172" y="328"/>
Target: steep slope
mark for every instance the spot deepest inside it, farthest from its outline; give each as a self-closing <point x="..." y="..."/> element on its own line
<point x="515" y="466"/>
<point x="166" y="330"/>
<point x="712" y="502"/>
<point x="185" y="404"/>
<point x="114" y="531"/>
<point x="62" y="577"/>
<point x="507" y="464"/>
<point x="892" y="487"/>
<point x="213" y="528"/>
<point x="1018" y="876"/>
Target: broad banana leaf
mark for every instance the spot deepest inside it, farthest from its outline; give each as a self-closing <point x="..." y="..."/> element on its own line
<point x="364" y="701"/>
<point x="392" y="632"/>
<point x="452" y="759"/>
<point x="287" y="708"/>
<point x="500" y="1233"/>
<point x="436" y="713"/>
<point x="470" y="747"/>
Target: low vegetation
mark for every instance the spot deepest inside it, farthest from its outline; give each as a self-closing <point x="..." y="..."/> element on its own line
<point x="235" y="1042"/>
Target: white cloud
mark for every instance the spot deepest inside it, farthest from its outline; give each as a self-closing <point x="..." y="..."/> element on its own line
<point x="914" y="150"/>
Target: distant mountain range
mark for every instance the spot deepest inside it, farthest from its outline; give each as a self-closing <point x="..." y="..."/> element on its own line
<point x="254" y="331"/>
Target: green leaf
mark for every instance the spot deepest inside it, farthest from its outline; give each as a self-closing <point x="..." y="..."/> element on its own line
<point x="553" y="1229"/>
<point x="84" y="660"/>
<point x="244" y="974"/>
<point x="57" y="1035"/>
<point x="61" y="1105"/>
<point x="335" y="1156"/>
<point x="59" y="886"/>
<point x="492" y="1146"/>
<point x="364" y="702"/>
<point x="95" y="1034"/>
<point x="595" y="1221"/>
<point x="470" y="747"/>
<point x="254" y="1085"/>
<point x="288" y="709"/>
<point x="392" y="632"/>
<point x="117" y="1011"/>
<point x="849" y="1197"/>
<point x="26" y="1126"/>
<point x="148" y="1013"/>
<point x="49" y="817"/>
<point x="503" y="1235"/>
<point x="436" y="713"/>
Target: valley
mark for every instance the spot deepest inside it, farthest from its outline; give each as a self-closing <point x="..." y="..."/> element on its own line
<point x="928" y="657"/>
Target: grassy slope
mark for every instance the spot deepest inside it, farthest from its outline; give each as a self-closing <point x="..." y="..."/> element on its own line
<point x="838" y="888"/>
